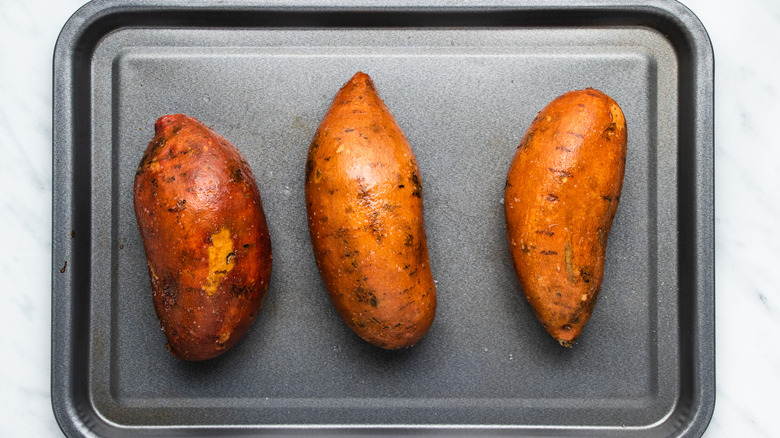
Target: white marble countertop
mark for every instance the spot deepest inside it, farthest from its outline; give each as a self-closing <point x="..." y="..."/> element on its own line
<point x="746" y="39"/>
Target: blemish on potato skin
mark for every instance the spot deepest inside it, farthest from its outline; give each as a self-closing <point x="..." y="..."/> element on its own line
<point x="417" y="192"/>
<point x="585" y="274"/>
<point x="569" y="261"/>
<point x="526" y="141"/>
<point x="561" y="174"/>
<point x="219" y="261"/>
<point x="309" y="168"/>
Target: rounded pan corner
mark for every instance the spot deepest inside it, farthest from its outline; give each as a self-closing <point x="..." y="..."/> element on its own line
<point x="74" y="27"/>
<point x="65" y="414"/>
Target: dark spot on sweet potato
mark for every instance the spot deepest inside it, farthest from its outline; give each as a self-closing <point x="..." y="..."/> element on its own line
<point x="370" y="85"/>
<point x="409" y="240"/>
<point x="237" y="175"/>
<point x="575" y="134"/>
<point x="602" y="236"/>
<point x="561" y="174"/>
<point x="152" y="151"/>
<point x="341" y="233"/>
<point x="548" y="252"/>
<point x="180" y="206"/>
<point x="309" y="168"/>
<point x="551" y="197"/>
<point x="585" y="274"/>
<point x="170" y="294"/>
<point x="364" y="191"/>
<point x="417" y="191"/>
<point x="366" y="295"/>
<point x="526" y="140"/>
<point x="241" y="291"/>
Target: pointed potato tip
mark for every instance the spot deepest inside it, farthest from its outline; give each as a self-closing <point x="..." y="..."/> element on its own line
<point x="167" y="120"/>
<point x="565" y="343"/>
<point x="359" y="83"/>
<point x="360" y="76"/>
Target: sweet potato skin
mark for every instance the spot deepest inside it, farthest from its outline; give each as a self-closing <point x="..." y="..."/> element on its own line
<point x="206" y="239"/>
<point x="561" y="195"/>
<point x="365" y="214"/>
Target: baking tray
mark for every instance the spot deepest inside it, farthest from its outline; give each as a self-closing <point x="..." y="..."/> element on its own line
<point x="464" y="80"/>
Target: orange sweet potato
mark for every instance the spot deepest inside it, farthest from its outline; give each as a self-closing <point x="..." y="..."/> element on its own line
<point x="204" y="231"/>
<point x="561" y="195"/>
<point x="365" y="213"/>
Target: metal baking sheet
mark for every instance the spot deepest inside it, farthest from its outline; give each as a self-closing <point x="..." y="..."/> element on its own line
<point x="464" y="80"/>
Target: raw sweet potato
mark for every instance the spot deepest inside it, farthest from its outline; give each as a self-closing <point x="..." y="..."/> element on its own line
<point x="365" y="212"/>
<point x="561" y="194"/>
<point x="206" y="240"/>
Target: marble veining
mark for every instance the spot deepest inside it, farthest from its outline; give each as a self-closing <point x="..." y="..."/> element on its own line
<point x="746" y="37"/>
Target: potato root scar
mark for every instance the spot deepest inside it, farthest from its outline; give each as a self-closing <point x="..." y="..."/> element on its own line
<point x="221" y="259"/>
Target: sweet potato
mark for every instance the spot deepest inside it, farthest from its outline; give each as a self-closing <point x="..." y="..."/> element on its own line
<point x="204" y="231"/>
<point x="365" y="213"/>
<point x="561" y="194"/>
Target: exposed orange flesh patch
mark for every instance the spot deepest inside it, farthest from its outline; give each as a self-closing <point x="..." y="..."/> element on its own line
<point x="220" y="259"/>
